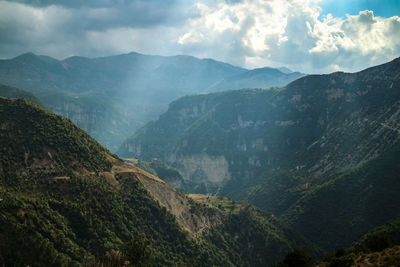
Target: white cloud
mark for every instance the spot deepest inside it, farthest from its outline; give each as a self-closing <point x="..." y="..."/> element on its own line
<point x="356" y="41"/>
<point x="291" y="32"/>
<point x="191" y="37"/>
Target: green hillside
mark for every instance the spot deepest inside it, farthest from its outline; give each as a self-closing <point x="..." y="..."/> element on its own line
<point x="66" y="201"/>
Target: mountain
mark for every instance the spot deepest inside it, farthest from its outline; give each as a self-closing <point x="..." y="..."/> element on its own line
<point x="110" y="97"/>
<point x="9" y="91"/>
<point x="257" y="78"/>
<point x="321" y="153"/>
<point x="285" y="70"/>
<point x="66" y="201"/>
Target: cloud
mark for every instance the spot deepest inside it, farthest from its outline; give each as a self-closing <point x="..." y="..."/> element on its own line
<point x="291" y="32"/>
<point x="356" y="41"/>
<point x="69" y="27"/>
<point x="250" y="33"/>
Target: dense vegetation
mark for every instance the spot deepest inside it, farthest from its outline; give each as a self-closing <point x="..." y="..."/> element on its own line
<point x="76" y="220"/>
<point x="247" y="226"/>
<point x="33" y="139"/>
<point x="51" y="220"/>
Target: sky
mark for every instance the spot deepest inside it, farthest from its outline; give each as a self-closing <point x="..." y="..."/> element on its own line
<point x="311" y="36"/>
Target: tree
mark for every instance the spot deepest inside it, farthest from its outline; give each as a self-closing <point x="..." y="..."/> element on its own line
<point x="138" y="252"/>
<point x="377" y="242"/>
<point x="299" y="257"/>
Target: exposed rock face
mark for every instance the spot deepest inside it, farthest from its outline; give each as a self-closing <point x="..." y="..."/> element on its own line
<point x="212" y="171"/>
<point x="178" y="204"/>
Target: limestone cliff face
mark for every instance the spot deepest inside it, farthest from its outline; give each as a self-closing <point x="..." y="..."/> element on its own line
<point x="211" y="172"/>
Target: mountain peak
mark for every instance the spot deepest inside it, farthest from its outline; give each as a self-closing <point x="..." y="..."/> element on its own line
<point x="36" y="59"/>
<point x="26" y="56"/>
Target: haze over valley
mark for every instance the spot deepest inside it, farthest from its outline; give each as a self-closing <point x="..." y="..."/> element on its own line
<point x="111" y="97"/>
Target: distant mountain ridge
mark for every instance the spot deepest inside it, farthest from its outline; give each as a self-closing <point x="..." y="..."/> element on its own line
<point x="287" y="149"/>
<point x="257" y="78"/>
<point x="120" y="92"/>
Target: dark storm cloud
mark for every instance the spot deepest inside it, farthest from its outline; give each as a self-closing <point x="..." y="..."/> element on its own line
<point x="134" y="13"/>
<point x="90" y="3"/>
<point x="64" y="28"/>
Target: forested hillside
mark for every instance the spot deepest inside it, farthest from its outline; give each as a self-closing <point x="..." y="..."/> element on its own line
<point x="66" y="201"/>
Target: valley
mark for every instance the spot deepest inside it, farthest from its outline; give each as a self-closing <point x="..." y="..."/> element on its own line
<point x="200" y="133"/>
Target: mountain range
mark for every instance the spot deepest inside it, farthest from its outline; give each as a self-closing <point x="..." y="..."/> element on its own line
<point x="110" y="97"/>
<point x="321" y="153"/>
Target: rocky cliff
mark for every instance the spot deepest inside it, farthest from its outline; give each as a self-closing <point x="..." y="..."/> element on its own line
<point x="277" y="146"/>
